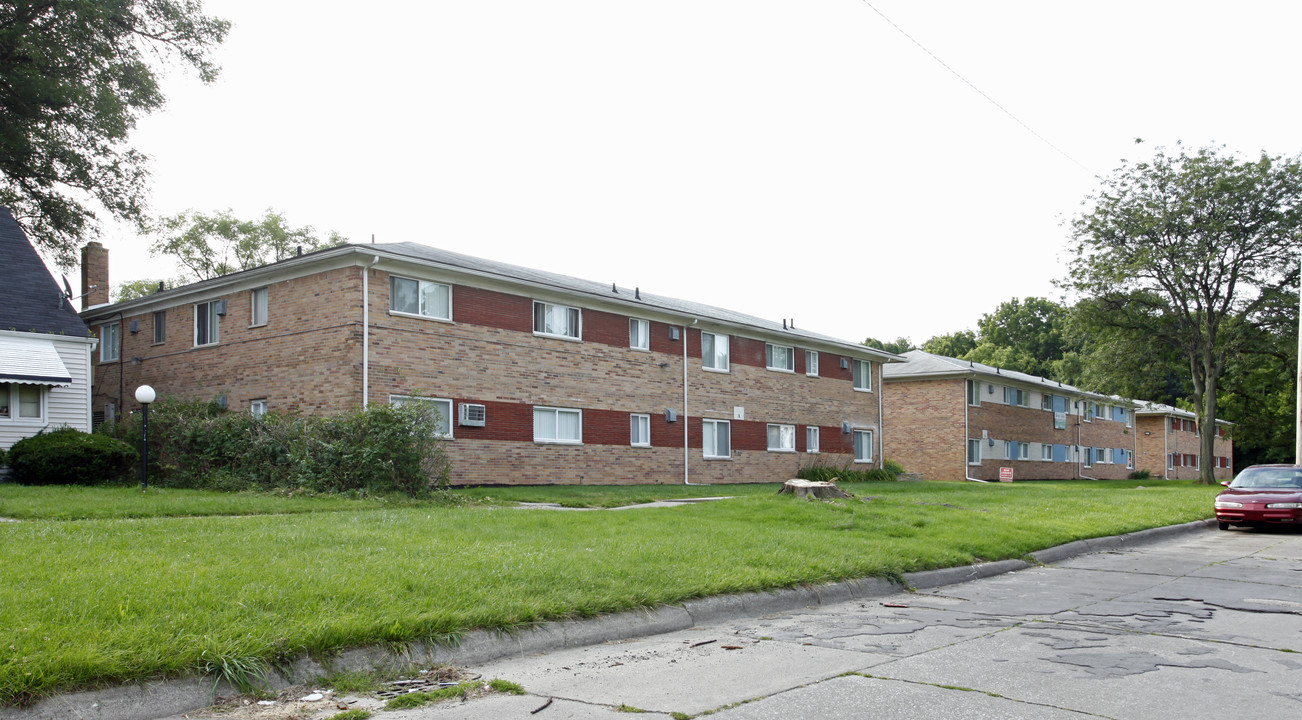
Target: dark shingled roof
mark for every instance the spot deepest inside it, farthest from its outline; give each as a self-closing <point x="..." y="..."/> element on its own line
<point x="29" y="297"/>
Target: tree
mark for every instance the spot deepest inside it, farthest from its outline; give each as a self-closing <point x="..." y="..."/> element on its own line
<point x="1023" y="336"/>
<point x="954" y="345"/>
<point x="132" y="289"/>
<point x="75" y="76"/>
<point x="1197" y="250"/>
<point x="899" y="346"/>
<point x="207" y="246"/>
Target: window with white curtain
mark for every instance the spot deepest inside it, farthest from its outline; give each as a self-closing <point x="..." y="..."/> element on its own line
<point x="811" y="363"/>
<point x="420" y="297"/>
<point x="640" y="430"/>
<point x="258" y="307"/>
<point x="714" y="351"/>
<point x="780" y="357"/>
<point x="716" y="437"/>
<point x="639" y="334"/>
<point x="782" y="438"/>
<point x="556" y="320"/>
<point x="110" y="342"/>
<point x="863" y="445"/>
<point x="863" y="375"/>
<point x="811" y="439"/>
<point x="557" y="425"/>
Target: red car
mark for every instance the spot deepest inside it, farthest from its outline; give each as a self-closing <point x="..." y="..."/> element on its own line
<point x="1261" y="495"/>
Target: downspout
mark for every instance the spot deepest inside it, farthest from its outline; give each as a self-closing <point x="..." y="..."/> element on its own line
<point x="686" y="460"/>
<point x="1166" y="450"/>
<point x="881" y="421"/>
<point x="967" y="474"/>
<point x="366" y="332"/>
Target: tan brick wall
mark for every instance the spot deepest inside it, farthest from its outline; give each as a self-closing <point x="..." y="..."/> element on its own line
<point x="308" y="358"/>
<point x="1161" y="441"/>
<point x="924" y="427"/>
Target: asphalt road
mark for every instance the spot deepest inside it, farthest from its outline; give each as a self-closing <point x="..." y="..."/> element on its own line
<point x="1202" y="625"/>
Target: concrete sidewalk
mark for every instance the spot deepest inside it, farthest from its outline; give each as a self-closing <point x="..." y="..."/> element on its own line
<point x="694" y="646"/>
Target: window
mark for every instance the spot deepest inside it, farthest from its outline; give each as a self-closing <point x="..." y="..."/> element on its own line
<point x="639" y="334"/>
<point x="1014" y="450"/>
<point x="863" y="445"/>
<point x="1046" y="452"/>
<point x="20" y="401"/>
<point x="420" y="297"/>
<point x="160" y="326"/>
<point x="782" y="438"/>
<point x="1170" y="461"/>
<point x="1175" y="425"/>
<point x="556" y="320"/>
<point x="1087" y="456"/>
<point x="1060" y="453"/>
<point x="811" y="363"/>
<point x="1015" y="396"/>
<point x="974" y="392"/>
<point x="973" y="450"/>
<point x="863" y="375"/>
<point x="439" y="409"/>
<point x="716" y="436"/>
<point x="1097" y="410"/>
<point x="206" y="322"/>
<point x="779" y="357"/>
<point x="811" y="439"/>
<point x="258" y="309"/>
<point x="557" y="425"/>
<point x="640" y="430"/>
<point x="258" y="408"/>
<point x="714" y="352"/>
<point x="110" y="342"/>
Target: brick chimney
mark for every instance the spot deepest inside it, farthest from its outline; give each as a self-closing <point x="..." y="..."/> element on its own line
<point x="94" y="271"/>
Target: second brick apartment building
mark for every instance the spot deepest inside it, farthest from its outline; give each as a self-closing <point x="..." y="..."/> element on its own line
<point x="538" y="377"/>
<point x="953" y="419"/>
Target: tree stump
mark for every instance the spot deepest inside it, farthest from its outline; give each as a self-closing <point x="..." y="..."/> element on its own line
<point x="809" y="489"/>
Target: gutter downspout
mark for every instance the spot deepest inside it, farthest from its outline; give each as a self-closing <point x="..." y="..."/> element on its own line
<point x="1166" y="451"/>
<point x="366" y="332"/>
<point x="686" y="460"/>
<point x="967" y="474"/>
<point x="881" y="421"/>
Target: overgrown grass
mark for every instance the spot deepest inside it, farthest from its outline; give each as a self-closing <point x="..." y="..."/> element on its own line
<point x="72" y="502"/>
<point x="109" y="600"/>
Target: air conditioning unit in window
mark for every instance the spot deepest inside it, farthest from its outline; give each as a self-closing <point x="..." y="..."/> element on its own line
<point x="470" y="415"/>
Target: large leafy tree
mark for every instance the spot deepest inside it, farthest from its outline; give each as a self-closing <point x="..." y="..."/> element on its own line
<point x="1027" y="336"/>
<point x="75" y="76"/>
<point x="1197" y="250"/>
<point x="899" y="345"/>
<point x="209" y="245"/>
<point x="955" y="344"/>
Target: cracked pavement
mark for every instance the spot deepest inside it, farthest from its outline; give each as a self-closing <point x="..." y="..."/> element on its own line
<point x="1204" y="624"/>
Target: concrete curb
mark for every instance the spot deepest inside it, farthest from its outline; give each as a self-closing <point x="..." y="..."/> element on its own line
<point x="155" y="699"/>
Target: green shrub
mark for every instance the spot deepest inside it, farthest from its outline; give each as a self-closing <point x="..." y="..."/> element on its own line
<point x="1140" y="475"/>
<point x="377" y="450"/>
<point x="821" y="470"/>
<point x="70" y="457"/>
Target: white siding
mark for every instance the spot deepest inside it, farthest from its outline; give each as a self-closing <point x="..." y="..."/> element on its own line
<point x="62" y="406"/>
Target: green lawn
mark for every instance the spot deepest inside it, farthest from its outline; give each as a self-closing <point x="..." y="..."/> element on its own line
<point x="128" y="594"/>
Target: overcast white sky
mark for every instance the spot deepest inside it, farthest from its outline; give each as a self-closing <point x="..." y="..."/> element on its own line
<point x="785" y="158"/>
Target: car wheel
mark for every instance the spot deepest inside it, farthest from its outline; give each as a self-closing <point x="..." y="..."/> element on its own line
<point x="1223" y="525"/>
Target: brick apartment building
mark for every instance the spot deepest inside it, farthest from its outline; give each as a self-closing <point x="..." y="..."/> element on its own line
<point x="954" y="419"/>
<point x="1170" y="443"/>
<point x="538" y="377"/>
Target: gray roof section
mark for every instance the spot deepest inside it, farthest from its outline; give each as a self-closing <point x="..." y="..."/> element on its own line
<point x="920" y="365"/>
<point x="1143" y="407"/>
<point x="31" y="301"/>
<point x="568" y="284"/>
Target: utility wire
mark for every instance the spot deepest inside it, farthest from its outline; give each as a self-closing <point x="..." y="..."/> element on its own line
<point x="979" y="91"/>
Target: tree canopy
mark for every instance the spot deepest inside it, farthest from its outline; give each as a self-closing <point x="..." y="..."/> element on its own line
<point x="75" y="76"/>
<point x="899" y="346"/>
<point x="1197" y="251"/>
<point x="209" y="245"/>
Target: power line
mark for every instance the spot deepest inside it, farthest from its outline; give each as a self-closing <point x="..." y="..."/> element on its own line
<point x="979" y="91"/>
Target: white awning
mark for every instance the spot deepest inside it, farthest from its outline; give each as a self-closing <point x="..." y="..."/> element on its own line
<point x="31" y="362"/>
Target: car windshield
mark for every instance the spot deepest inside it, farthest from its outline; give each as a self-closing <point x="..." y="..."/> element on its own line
<point x="1285" y="477"/>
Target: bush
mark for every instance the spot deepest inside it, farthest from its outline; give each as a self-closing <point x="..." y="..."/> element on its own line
<point x="70" y="457"/>
<point x="381" y="449"/>
<point x="821" y="470"/>
<point x="1139" y="475"/>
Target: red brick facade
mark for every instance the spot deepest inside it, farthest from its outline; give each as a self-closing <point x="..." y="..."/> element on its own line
<point x="308" y="357"/>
